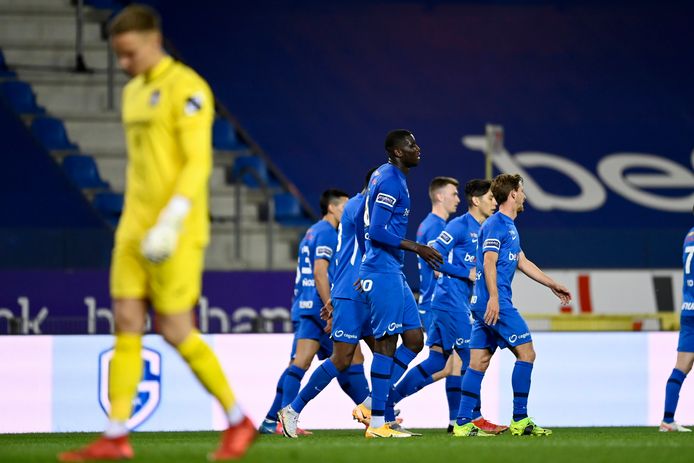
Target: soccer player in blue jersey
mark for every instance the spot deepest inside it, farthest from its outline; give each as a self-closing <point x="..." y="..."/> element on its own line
<point x="316" y="251"/>
<point x="685" y="347"/>
<point x="391" y="302"/>
<point x="350" y="323"/>
<point x="497" y="322"/>
<point x="443" y="192"/>
<point x="270" y="423"/>
<point x="449" y="331"/>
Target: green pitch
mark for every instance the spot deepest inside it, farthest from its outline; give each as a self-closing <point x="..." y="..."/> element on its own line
<point x="567" y="445"/>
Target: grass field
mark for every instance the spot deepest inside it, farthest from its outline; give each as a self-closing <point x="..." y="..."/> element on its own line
<point x="585" y="445"/>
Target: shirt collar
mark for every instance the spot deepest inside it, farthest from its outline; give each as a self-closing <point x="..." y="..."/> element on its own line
<point x="160" y="68"/>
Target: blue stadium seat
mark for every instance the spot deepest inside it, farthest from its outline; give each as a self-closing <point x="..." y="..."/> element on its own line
<point x="105" y="4"/>
<point x="4" y="70"/>
<point x="244" y="164"/>
<point x="110" y="205"/>
<point x="50" y="132"/>
<point x="82" y="170"/>
<point x="224" y="136"/>
<point x="20" y="97"/>
<point x="288" y="210"/>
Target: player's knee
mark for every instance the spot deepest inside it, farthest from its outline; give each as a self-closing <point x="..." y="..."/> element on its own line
<point x="302" y="362"/>
<point x="341" y="362"/>
<point x="129" y="322"/>
<point x="527" y="355"/>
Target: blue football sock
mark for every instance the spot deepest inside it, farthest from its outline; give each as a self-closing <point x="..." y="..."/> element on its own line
<point x="453" y="395"/>
<point x="353" y="382"/>
<point x="381" y="369"/>
<point x="672" y="394"/>
<point x="277" y="403"/>
<point x="520" y="380"/>
<point x="420" y="376"/>
<point x="316" y="383"/>
<point x="403" y="357"/>
<point x="292" y="384"/>
<point x="472" y="383"/>
<point x="477" y="411"/>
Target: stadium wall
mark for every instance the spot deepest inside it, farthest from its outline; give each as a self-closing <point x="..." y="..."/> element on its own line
<point x="56" y="384"/>
<point x="594" y="97"/>
<point x="78" y="302"/>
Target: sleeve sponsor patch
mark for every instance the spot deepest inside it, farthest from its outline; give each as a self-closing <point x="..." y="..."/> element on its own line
<point x="324" y="251"/>
<point x="193" y="104"/>
<point x="492" y="244"/>
<point x="445" y="237"/>
<point x="386" y="200"/>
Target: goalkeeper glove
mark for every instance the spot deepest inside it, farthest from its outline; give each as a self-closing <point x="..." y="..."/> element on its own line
<point x="160" y="241"/>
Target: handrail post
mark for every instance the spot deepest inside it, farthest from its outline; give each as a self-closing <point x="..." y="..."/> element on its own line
<point x="237" y="219"/>
<point x="269" y="232"/>
<point x="80" y="65"/>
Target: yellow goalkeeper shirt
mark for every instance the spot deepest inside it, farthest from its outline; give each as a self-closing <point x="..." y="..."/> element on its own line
<point x="167" y="117"/>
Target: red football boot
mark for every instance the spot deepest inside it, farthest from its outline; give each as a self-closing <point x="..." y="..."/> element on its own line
<point x="235" y="441"/>
<point x="488" y="426"/>
<point x="103" y="449"/>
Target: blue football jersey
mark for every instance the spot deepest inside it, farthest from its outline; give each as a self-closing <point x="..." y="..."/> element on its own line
<point x="688" y="286"/>
<point x="458" y="245"/>
<point x="350" y="249"/>
<point x="385" y="220"/>
<point x="427" y="232"/>
<point x="498" y="234"/>
<point x="319" y="242"/>
<point x="295" y="314"/>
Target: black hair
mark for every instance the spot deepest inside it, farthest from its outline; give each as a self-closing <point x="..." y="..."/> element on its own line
<point x="475" y="188"/>
<point x="395" y="139"/>
<point x="367" y="179"/>
<point x="329" y="197"/>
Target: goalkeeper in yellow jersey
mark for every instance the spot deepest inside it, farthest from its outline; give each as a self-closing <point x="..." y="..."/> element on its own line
<point x="168" y="112"/>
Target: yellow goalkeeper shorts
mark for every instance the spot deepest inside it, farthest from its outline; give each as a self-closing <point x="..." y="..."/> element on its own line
<point x="171" y="287"/>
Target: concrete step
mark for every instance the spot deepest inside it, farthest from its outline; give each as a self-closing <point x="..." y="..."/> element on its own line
<point x="55" y="55"/>
<point x="34" y="3"/>
<point x="43" y="23"/>
<point x="95" y="134"/>
<point x="68" y="96"/>
<point x="221" y="254"/>
<point x="61" y="77"/>
<point x="223" y="207"/>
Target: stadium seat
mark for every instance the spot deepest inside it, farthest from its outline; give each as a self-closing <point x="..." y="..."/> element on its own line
<point x="109" y="205"/>
<point x="243" y="169"/>
<point x="224" y="136"/>
<point x="20" y="97"/>
<point x="82" y="170"/>
<point x="50" y="132"/>
<point x="104" y="4"/>
<point x="4" y="70"/>
<point x="288" y="210"/>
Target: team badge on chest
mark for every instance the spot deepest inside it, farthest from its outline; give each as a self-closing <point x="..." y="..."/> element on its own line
<point x="154" y="98"/>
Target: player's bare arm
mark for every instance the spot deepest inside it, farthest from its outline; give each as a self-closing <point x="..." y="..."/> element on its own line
<point x="320" y="275"/>
<point x="430" y="255"/>
<point x="528" y="267"/>
<point x="491" y="315"/>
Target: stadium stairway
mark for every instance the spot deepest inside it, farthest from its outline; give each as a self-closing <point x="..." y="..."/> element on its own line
<point x="37" y="38"/>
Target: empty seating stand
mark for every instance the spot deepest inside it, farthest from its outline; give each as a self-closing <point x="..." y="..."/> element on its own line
<point x="20" y="97"/>
<point x="83" y="172"/>
<point x="51" y="134"/>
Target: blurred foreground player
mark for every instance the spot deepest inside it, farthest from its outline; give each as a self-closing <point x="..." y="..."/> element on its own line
<point x="497" y="322"/>
<point x="161" y="238"/>
<point x="685" y="347"/>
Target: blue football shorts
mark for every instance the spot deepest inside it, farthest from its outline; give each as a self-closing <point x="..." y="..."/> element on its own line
<point x="425" y="315"/>
<point x="449" y="329"/>
<point x="311" y="327"/>
<point x="509" y="331"/>
<point x="351" y="321"/>
<point x="392" y="306"/>
<point x="686" y="341"/>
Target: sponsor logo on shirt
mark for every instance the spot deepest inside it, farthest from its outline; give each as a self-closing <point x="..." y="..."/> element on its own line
<point x="513" y="234"/>
<point x="445" y="237"/>
<point x="324" y="251"/>
<point x="687" y="306"/>
<point x="491" y="243"/>
<point x="461" y="341"/>
<point x="406" y="212"/>
<point x="512" y="257"/>
<point x="469" y="258"/>
<point x="394" y="326"/>
<point x="308" y="282"/>
<point x="305" y="304"/>
<point x="386" y="200"/>
<point x="473" y="238"/>
<point x="518" y="337"/>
